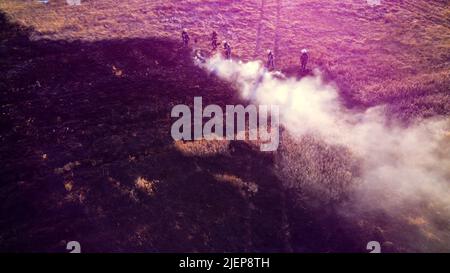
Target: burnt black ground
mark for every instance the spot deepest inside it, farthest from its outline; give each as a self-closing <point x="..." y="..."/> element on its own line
<point x="62" y="99"/>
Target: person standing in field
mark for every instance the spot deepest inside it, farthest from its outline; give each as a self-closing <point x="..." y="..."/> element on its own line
<point x="270" y="60"/>
<point x="214" y="40"/>
<point x="185" y="37"/>
<point x="304" y="59"/>
<point x="227" y="50"/>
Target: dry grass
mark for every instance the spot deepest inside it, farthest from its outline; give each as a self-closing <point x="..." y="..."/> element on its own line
<point x="316" y="169"/>
<point x="246" y="188"/>
<point x="376" y="54"/>
<point x="145" y="185"/>
<point x="202" y="148"/>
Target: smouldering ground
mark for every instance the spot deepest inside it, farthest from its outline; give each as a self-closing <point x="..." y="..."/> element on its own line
<point x="86" y="152"/>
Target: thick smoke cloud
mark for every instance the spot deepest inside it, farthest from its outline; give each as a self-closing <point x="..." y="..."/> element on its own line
<point x="402" y="171"/>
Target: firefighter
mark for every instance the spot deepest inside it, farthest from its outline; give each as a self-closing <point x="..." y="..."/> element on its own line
<point x="304" y="59"/>
<point x="185" y="37"/>
<point x="214" y="40"/>
<point x="227" y="50"/>
<point x="270" y="60"/>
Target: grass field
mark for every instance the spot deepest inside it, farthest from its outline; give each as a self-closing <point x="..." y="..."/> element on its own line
<point x="86" y="95"/>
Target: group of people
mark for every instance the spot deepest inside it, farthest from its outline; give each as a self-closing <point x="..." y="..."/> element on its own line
<point x="303" y="60"/>
<point x="226" y="46"/>
<point x="227" y="50"/>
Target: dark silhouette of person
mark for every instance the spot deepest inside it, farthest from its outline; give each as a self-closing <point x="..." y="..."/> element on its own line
<point x="214" y="40"/>
<point x="185" y="37"/>
<point x="227" y="50"/>
<point x="270" y="60"/>
<point x="304" y="59"/>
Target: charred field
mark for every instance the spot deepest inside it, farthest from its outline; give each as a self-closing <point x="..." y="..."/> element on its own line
<point x="86" y="152"/>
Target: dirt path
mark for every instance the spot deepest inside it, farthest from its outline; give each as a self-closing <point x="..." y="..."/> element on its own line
<point x="266" y="10"/>
<point x="285" y="226"/>
<point x="258" y="33"/>
<point x="276" y="41"/>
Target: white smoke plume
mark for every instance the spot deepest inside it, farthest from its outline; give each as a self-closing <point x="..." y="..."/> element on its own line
<point x="402" y="171"/>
